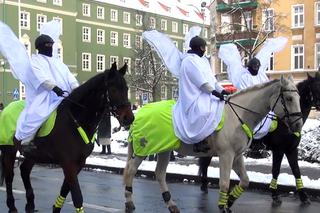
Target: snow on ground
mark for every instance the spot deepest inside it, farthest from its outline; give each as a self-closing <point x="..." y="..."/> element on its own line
<point x="309" y="150"/>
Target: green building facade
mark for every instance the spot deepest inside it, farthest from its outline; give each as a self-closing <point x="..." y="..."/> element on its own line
<point x="94" y="34"/>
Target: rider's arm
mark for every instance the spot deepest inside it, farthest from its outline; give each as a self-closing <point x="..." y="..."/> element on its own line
<point x="48" y="85"/>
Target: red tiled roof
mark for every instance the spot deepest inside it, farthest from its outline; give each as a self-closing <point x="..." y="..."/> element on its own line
<point x="165" y="7"/>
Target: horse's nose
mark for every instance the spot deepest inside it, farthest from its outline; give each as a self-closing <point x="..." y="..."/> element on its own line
<point x="128" y="120"/>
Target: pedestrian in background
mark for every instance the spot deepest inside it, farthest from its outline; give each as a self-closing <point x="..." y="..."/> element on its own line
<point x="104" y="134"/>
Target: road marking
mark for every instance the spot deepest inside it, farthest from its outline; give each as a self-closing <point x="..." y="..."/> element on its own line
<point x="14" y="190"/>
<point x="97" y="207"/>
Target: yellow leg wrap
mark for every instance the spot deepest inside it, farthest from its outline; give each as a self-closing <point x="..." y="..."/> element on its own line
<point x="273" y="184"/>
<point x="237" y="191"/>
<point x="223" y="198"/>
<point x="80" y="210"/>
<point x="59" y="202"/>
<point x="299" y="183"/>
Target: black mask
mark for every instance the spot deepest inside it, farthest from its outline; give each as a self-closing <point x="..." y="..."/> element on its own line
<point x="198" y="46"/>
<point x="253" y="66"/>
<point x="44" y="45"/>
<point x="45" y="49"/>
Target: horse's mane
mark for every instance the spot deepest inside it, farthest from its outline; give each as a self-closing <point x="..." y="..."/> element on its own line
<point x="87" y="87"/>
<point x="258" y="86"/>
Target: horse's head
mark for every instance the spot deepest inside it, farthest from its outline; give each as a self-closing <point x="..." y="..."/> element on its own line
<point x="286" y="104"/>
<point x="117" y="95"/>
<point x="314" y="84"/>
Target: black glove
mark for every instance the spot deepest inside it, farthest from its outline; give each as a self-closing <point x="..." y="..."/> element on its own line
<point x="58" y="91"/>
<point x="225" y="92"/>
<point x="217" y="94"/>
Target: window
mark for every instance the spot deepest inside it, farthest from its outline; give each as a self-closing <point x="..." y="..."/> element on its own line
<point x="163" y="24"/>
<point x="113" y="38"/>
<point x="317" y="55"/>
<point x="100" y="12"/>
<point x="86" y="61"/>
<point x="152" y="22"/>
<point x="101" y="63"/>
<point x="163" y="92"/>
<point x="138" y="20"/>
<point x="185" y="29"/>
<point x="205" y="32"/>
<point x="268" y="20"/>
<point x="138" y="42"/>
<point x="100" y="36"/>
<point x="25" y="39"/>
<point x="174" y="93"/>
<point x="57" y="2"/>
<point x="113" y="59"/>
<point x="298" y="16"/>
<point x="114" y="15"/>
<point x="128" y="61"/>
<point x="42" y="1"/>
<point x="137" y="66"/>
<point x="246" y="21"/>
<point x="271" y="63"/>
<point x="126" y="40"/>
<point x="150" y="68"/>
<point x="174" y="27"/>
<point x="60" y="51"/>
<point x="298" y="56"/>
<point x="317" y="15"/>
<point x="25" y="20"/>
<point x="126" y="17"/>
<point x="61" y="23"/>
<point x="86" y="34"/>
<point x="225" y="23"/>
<point x="41" y="19"/>
<point x="86" y="9"/>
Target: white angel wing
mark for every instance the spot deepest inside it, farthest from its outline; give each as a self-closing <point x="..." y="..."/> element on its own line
<point x="15" y="53"/>
<point x="230" y="55"/>
<point x="270" y="46"/>
<point x="52" y="29"/>
<point x="194" y="31"/>
<point x="166" y="49"/>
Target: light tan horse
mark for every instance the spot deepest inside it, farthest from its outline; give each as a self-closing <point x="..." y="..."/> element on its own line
<point x="230" y="142"/>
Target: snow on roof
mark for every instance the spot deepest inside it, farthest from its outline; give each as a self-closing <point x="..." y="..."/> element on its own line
<point x="170" y="8"/>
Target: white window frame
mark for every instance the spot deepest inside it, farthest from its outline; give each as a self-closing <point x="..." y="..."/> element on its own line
<point x="175" y="27"/>
<point x="137" y="66"/>
<point x="126" y="40"/>
<point x="205" y="32"/>
<point x="138" y="42"/>
<point x="298" y="15"/>
<point x="100" y="12"/>
<point x="25" y="40"/>
<point x="86" y="9"/>
<point x="317" y="56"/>
<point x="126" y="17"/>
<point x="293" y="55"/>
<point x="101" y="62"/>
<point x="139" y="20"/>
<point x="42" y="1"/>
<point x="113" y="15"/>
<point x="185" y="29"/>
<point x="60" y="50"/>
<point x="57" y="2"/>
<point x="60" y="20"/>
<point x="25" y="21"/>
<point x="174" y="92"/>
<point x="100" y="36"/>
<point x="164" y="92"/>
<point x="317" y="13"/>
<point x="152" y="22"/>
<point x="128" y="60"/>
<point x="163" y="24"/>
<point x="268" y="20"/>
<point x="86" y="61"/>
<point x="114" y="38"/>
<point x="246" y="20"/>
<point x="86" y="34"/>
<point x="41" y="19"/>
<point x="114" y="59"/>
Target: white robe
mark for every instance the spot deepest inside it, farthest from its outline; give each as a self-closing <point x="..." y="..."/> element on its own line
<point x="196" y="113"/>
<point x="40" y="102"/>
<point x="241" y="77"/>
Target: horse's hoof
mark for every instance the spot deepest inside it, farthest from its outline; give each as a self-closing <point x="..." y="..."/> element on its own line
<point x="303" y="197"/>
<point x="130" y="207"/>
<point x="173" y="209"/>
<point x="55" y="209"/>
<point x="225" y="210"/>
<point x="276" y="201"/>
<point x="30" y="209"/>
<point x="13" y="211"/>
<point x="204" y="188"/>
<point x="306" y="202"/>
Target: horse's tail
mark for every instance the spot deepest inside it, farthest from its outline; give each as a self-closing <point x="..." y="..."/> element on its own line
<point x="125" y="171"/>
<point x="1" y="168"/>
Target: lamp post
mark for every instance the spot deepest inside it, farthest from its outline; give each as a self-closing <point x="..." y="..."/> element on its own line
<point x="201" y="12"/>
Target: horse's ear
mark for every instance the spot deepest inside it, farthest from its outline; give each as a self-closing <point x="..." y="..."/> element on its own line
<point x="284" y="81"/>
<point x="290" y="78"/>
<point x="110" y="73"/>
<point x="123" y="69"/>
<point x="114" y="66"/>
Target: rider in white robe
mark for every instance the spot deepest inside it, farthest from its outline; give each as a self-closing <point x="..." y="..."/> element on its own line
<point x="255" y="72"/>
<point x="45" y="90"/>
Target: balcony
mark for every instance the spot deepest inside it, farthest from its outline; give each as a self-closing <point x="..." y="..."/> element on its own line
<point x="246" y="39"/>
<point x="223" y="7"/>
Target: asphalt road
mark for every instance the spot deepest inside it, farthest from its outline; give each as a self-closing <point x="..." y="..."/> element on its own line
<point x="103" y="192"/>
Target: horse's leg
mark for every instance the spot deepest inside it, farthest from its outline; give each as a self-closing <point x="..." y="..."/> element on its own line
<point x="277" y="156"/>
<point x="293" y="162"/>
<point x="225" y="165"/>
<point x="70" y="170"/>
<point x="240" y="170"/>
<point x="204" y="163"/>
<point x="25" y="170"/>
<point x="9" y="156"/>
<point x="64" y="191"/>
<point x="129" y="172"/>
<point x="161" y="168"/>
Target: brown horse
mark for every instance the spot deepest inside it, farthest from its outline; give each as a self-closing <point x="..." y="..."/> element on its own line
<point x="84" y="107"/>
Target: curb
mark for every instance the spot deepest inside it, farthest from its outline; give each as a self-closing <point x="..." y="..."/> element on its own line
<point x="172" y="177"/>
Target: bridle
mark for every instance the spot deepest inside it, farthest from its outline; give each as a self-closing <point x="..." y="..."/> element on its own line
<point x="113" y="107"/>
